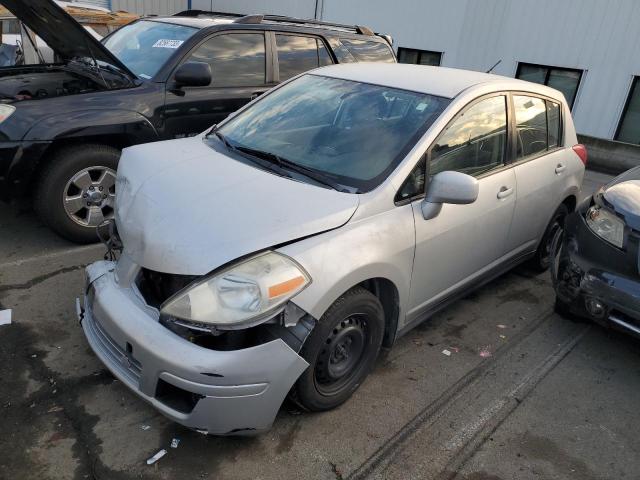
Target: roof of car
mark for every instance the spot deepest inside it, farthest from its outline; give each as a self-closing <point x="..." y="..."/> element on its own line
<point x="440" y="81"/>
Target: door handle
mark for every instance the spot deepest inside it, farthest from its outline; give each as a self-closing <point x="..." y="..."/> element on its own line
<point x="560" y="168"/>
<point x="505" y="192"/>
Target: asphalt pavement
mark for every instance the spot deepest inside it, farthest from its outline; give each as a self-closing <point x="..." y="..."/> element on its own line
<point x="523" y="393"/>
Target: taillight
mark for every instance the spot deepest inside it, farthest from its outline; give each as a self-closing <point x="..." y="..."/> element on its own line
<point x="581" y="151"/>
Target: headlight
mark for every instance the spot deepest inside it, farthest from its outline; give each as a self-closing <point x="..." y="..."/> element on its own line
<point x="606" y="225"/>
<point x="241" y="295"/>
<point x="6" y="111"/>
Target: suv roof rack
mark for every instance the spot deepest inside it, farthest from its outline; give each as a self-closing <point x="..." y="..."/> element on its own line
<point x="253" y="19"/>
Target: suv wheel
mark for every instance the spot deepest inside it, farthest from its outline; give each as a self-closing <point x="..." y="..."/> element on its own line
<point x="76" y="191"/>
<point x="545" y="254"/>
<point x="341" y="351"/>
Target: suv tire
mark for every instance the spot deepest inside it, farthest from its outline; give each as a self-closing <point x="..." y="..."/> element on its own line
<point x="74" y="179"/>
<point x="341" y="351"/>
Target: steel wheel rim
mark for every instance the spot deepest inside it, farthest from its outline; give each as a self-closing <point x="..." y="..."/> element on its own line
<point x="340" y="359"/>
<point x="89" y="196"/>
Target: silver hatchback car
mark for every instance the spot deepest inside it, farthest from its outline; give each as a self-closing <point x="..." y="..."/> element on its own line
<point x="278" y="252"/>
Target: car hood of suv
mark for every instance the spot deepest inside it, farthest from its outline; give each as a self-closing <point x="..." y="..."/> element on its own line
<point x="185" y="208"/>
<point x="623" y="196"/>
<point x="61" y="32"/>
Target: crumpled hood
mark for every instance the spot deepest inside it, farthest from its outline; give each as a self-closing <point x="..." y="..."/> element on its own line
<point x="622" y="195"/>
<point x="185" y="208"/>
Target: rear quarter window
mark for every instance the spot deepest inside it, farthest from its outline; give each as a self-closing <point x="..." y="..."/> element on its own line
<point x="369" y="50"/>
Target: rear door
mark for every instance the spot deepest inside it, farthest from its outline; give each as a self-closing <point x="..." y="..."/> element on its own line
<point x="297" y="53"/>
<point x="241" y="70"/>
<point x="539" y="166"/>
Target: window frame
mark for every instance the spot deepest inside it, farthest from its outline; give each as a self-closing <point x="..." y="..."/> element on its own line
<point x="509" y="153"/>
<point x="635" y="84"/>
<point x="571" y="102"/>
<point x="511" y="148"/>
<point x="274" y="50"/>
<point x="420" y="52"/>
<point x="268" y="58"/>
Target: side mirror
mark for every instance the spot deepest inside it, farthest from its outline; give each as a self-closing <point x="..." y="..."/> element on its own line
<point x="448" y="187"/>
<point x="193" y="74"/>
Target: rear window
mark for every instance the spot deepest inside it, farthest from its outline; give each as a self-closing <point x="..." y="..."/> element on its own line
<point x="369" y="50"/>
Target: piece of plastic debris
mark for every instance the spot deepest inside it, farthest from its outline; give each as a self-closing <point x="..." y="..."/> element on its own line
<point x="156" y="457"/>
<point x="484" y="352"/>
<point x="501" y="326"/>
<point x="503" y="336"/>
<point x="5" y="317"/>
<point x="454" y="349"/>
<point x="34" y="356"/>
<point x="55" y="409"/>
<point x="145" y="427"/>
<point x="446" y="352"/>
<point x="175" y="442"/>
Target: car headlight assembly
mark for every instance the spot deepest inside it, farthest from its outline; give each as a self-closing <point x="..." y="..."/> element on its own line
<point x="6" y="111"/>
<point x="606" y="225"/>
<point x="241" y="296"/>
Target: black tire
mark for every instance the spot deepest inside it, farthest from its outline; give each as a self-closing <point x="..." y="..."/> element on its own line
<point x="52" y="181"/>
<point x="356" y="314"/>
<point x="542" y="258"/>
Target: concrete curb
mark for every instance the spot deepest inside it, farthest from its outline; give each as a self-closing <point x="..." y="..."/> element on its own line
<point x="611" y="157"/>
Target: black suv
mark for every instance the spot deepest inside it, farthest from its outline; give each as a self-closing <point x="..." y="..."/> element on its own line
<point x="62" y="125"/>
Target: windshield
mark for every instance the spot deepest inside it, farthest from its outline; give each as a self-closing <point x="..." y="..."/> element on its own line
<point x="145" y="46"/>
<point x="353" y="133"/>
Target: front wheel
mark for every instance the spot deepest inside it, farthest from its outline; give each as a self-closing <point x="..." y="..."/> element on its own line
<point x="76" y="191"/>
<point x="341" y="351"/>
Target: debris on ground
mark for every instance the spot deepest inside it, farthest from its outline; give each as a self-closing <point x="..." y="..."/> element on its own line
<point x="503" y="336"/>
<point x="175" y="442"/>
<point x="145" y="427"/>
<point x="446" y="352"/>
<point x="156" y="457"/>
<point x="501" y="326"/>
<point x="485" y="352"/>
<point x="55" y="409"/>
<point x="5" y="317"/>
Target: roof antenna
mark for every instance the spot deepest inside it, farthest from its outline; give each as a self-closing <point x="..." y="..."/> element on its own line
<point x="494" y="66"/>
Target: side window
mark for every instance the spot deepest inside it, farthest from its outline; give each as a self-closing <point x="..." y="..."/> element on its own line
<point x="476" y="140"/>
<point x="297" y="54"/>
<point x="369" y="50"/>
<point x="236" y="59"/>
<point x="553" y="119"/>
<point x="531" y="125"/>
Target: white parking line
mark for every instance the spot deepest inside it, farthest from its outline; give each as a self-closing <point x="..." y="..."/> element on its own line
<point x="47" y="256"/>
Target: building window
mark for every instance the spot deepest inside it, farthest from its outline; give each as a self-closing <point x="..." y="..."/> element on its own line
<point x="566" y="80"/>
<point x="419" y="57"/>
<point x="629" y="126"/>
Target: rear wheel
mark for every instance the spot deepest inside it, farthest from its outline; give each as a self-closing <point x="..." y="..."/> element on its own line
<point x="544" y="254"/>
<point x="341" y="351"/>
<point x="76" y="191"/>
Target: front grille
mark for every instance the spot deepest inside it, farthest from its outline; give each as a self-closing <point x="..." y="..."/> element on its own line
<point x="119" y="359"/>
<point x="157" y="287"/>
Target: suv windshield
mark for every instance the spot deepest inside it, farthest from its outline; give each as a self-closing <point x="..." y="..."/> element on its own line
<point x="352" y="133"/>
<point x="144" y="46"/>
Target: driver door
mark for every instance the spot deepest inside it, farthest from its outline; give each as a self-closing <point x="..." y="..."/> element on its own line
<point x="463" y="241"/>
<point x="240" y="72"/>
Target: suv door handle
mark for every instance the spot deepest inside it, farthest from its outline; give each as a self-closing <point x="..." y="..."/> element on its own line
<point x="505" y="192"/>
<point x="560" y="168"/>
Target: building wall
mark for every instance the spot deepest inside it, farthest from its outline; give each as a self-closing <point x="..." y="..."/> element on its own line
<point x="150" y="7"/>
<point x="294" y="8"/>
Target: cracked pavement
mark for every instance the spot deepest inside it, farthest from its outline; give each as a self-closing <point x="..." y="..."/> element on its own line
<point x="548" y="398"/>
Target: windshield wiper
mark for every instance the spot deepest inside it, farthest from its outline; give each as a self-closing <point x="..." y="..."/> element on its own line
<point x="288" y="164"/>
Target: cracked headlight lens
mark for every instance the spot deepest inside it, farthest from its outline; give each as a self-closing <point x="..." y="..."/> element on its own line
<point x="242" y="295"/>
<point x="606" y="225"/>
<point x="6" y="111"/>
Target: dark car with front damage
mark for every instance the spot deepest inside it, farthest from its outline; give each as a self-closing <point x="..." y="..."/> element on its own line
<point x="597" y="269"/>
<point x="63" y="124"/>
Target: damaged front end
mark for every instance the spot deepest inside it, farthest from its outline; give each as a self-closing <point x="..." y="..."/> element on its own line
<point x="216" y="380"/>
<point x="595" y="278"/>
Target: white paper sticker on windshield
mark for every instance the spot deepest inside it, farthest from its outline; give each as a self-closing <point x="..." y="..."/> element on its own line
<point x="421" y="106"/>
<point x="164" y="43"/>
